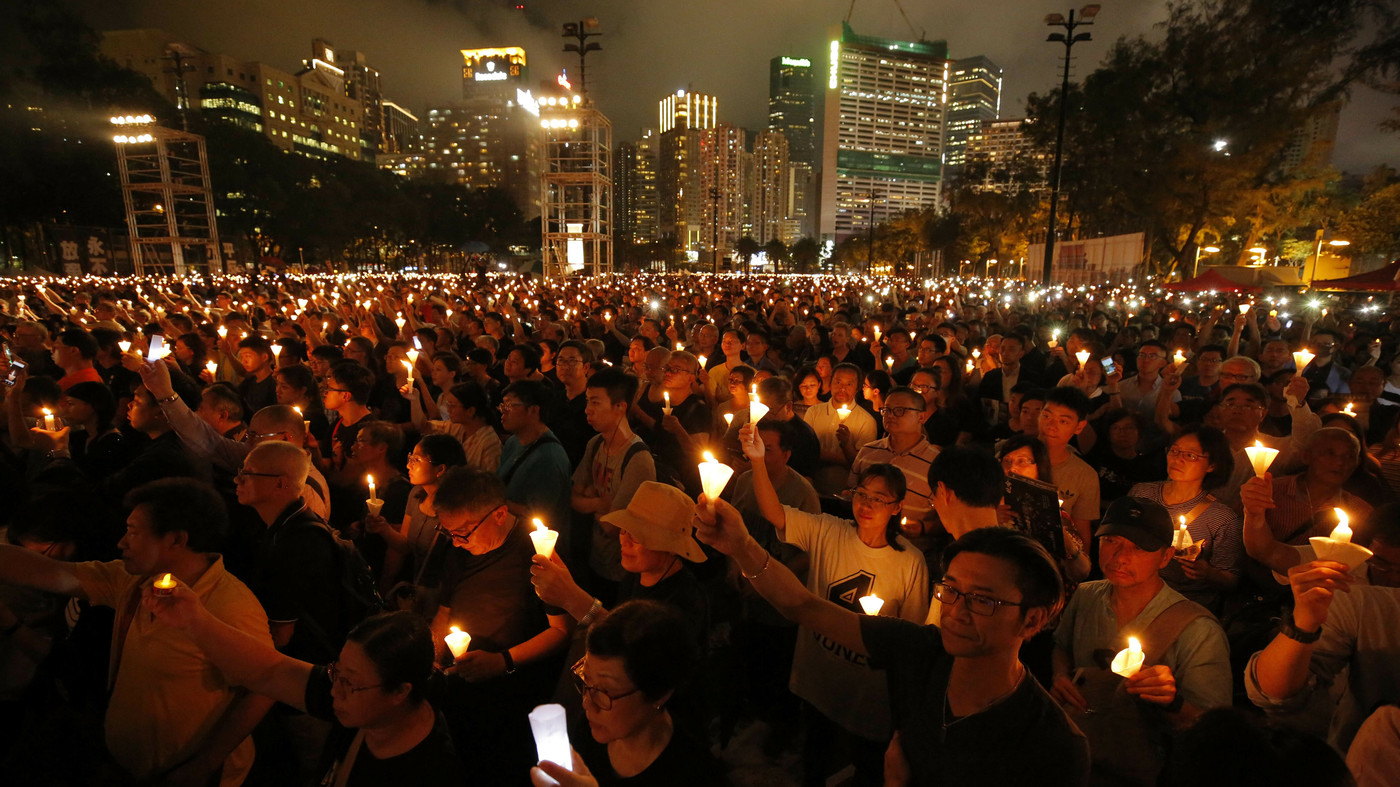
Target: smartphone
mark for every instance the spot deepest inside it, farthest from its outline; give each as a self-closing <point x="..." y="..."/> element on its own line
<point x="157" y="349"/>
<point x="1108" y="365"/>
<point x="14" y="364"/>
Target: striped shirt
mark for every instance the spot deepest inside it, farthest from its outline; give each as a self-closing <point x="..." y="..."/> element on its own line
<point x="1218" y="525"/>
<point x="913" y="463"/>
<point x="1296" y="514"/>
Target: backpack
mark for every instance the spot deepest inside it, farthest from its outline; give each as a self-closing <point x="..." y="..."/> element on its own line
<point x="359" y="590"/>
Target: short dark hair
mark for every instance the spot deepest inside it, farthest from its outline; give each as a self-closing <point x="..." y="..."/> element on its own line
<point x="443" y="449"/>
<point x="1036" y="576"/>
<point x="584" y="351"/>
<point x="619" y="387"/>
<point x="1217" y="450"/>
<point x="656" y="643"/>
<point x="80" y="340"/>
<point x="257" y="344"/>
<point x="298" y="376"/>
<point x="99" y="397"/>
<point x="973" y="475"/>
<point x="328" y="353"/>
<point x="891" y="475"/>
<point x="777" y="390"/>
<point x="225" y="399"/>
<point x="169" y="504"/>
<point x="471" y="395"/>
<point x="400" y="645"/>
<point x="781" y="429"/>
<point x="1254" y="391"/>
<point x="531" y="393"/>
<point x="465" y="489"/>
<point x="1039" y="452"/>
<point x="1073" y="398"/>
<point x="354" y="378"/>
<point x="940" y="344"/>
<point x="529" y="356"/>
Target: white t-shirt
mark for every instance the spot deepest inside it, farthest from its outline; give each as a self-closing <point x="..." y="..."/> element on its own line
<point x="836" y="681"/>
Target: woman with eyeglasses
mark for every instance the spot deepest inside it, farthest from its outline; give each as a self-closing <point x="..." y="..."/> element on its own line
<point x="1027" y="457"/>
<point x="1199" y="460"/>
<point x="636" y="659"/>
<point x="412" y="540"/>
<point x="384" y="730"/>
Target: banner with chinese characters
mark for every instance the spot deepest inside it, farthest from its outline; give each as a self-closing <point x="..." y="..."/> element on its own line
<point x="83" y="250"/>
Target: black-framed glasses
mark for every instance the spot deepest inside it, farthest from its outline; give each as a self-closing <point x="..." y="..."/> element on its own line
<point x="1240" y="406"/>
<point x="861" y="496"/>
<point x="335" y="390"/>
<point x="251" y="436"/>
<point x="924" y="388"/>
<point x="241" y="474"/>
<point x="600" y="698"/>
<point x="1190" y="456"/>
<point x="568" y="362"/>
<point x="978" y="604"/>
<point x="679" y="370"/>
<point x="899" y="412"/>
<point x="343" y="683"/>
<point x="457" y="538"/>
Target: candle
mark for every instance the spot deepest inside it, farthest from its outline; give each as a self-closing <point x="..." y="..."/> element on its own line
<point x="843" y="412"/>
<point x="728" y="419"/>
<point x="757" y="410"/>
<point x="551" y="731"/>
<point x="1179" y="359"/>
<point x="1244" y="308"/>
<point x="970" y="367"/>
<point x="1181" y="539"/>
<point x="223" y="332"/>
<point x="412" y="360"/>
<point x="1083" y="356"/>
<point x="871" y="604"/>
<point x="164" y="586"/>
<point x="409" y="367"/>
<point x="125" y="345"/>
<point x="212" y="366"/>
<point x="889" y="361"/>
<point x="544" y="538"/>
<point x="276" y="351"/>
<point x="1338" y="546"/>
<point x="49" y="420"/>
<point x="1301" y="359"/>
<point x="703" y="360"/>
<point x="713" y="477"/>
<point x="1129" y="661"/>
<point x="876" y="329"/>
<point x="1350" y="409"/>
<point x="458" y="641"/>
<point x="1261" y="457"/>
<point x="666" y="396"/>
<point x="372" y="495"/>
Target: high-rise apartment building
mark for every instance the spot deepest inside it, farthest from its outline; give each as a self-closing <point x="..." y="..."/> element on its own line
<point x="883" y="130"/>
<point x="361" y="85"/>
<point x="1004" y="158"/>
<point x="684" y="118"/>
<point x="645" y="224"/>
<point x="624" y="193"/>
<point x="771" y="203"/>
<point x="722" y="169"/>
<point x="974" y="96"/>
<point x="792" y="105"/>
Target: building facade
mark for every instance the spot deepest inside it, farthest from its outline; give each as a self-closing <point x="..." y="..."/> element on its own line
<point x="792" y="105"/>
<point x="772" y="188"/>
<point x="685" y="117"/>
<point x="883" y="130"/>
<point x="974" y="97"/>
<point x="1003" y="158"/>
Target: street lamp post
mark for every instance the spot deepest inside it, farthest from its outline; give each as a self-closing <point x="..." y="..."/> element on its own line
<point x="1321" y="238"/>
<point x="1069" y="38"/>
<point x="1196" y="266"/>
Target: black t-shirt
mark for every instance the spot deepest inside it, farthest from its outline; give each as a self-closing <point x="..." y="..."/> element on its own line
<point x="569" y="423"/>
<point x="1023" y="739"/>
<point x="491" y="596"/>
<point x="681" y="590"/>
<point x="433" y="761"/>
<point x="684" y="762"/>
<point x="1117" y="475"/>
<point x="258" y="394"/>
<point x="695" y="416"/>
<point x="297" y="577"/>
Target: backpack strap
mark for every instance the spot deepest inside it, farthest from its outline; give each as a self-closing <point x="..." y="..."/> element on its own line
<point x="1199" y="508"/>
<point x="1167" y="626"/>
<point x="545" y="439"/>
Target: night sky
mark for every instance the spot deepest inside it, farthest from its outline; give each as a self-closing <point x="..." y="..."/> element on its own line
<point x="652" y="47"/>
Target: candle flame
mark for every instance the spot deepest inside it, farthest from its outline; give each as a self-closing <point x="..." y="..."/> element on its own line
<point x="539" y="524"/>
<point x="46" y="412"/>
<point x="709" y="457"/>
<point x="1134" y="645"/>
<point x="166" y="581"/>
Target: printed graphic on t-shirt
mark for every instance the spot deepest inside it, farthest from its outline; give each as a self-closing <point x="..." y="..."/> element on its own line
<point x="846" y="592"/>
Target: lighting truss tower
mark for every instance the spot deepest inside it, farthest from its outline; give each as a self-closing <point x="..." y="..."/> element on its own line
<point x="576" y="193"/>
<point x="169" y="205"/>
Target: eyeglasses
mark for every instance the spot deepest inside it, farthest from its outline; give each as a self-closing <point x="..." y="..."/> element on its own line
<point x="1151" y="356"/>
<point x="457" y="538"/>
<point x="343" y="683"/>
<point x="1244" y="378"/>
<point x="1190" y="456"/>
<point x="599" y="697"/>
<point x="1010" y="463"/>
<point x="1240" y="406"/>
<point x="335" y="390"/>
<point x="679" y="370"/>
<point x="978" y="604"/>
<point x="506" y="407"/>
<point x="242" y="474"/>
<point x="924" y="388"/>
<point x="251" y="437"/>
<point x="568" y="362"/>
<point x="415" y="459"/>
<point x="871" y="500"/>
<point x="899" y="412"/>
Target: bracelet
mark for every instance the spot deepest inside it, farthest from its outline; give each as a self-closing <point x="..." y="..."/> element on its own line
<point x="592" y="613"/>
<point x="168" y="399"/>
<point x="767" y="559"/>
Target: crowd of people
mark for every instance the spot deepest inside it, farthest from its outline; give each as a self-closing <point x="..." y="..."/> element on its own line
<point x="298" y="531"/>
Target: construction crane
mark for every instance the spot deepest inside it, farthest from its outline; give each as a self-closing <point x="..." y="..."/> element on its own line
<point x="918" y="31"/>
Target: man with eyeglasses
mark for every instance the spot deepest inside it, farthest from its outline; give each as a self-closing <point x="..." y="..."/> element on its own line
<point x="958" y="692"/>
<point x="905" y="447"/>
<point x="534" y="467"/>
<point x="346" y="393"/>
<point x="840" y="437"/>
<point x="518" y="644"/>
<point x="1187" y="659"/>
<point x="1141" y="390"/>
<point x="1326" y="373"/>
<point x="1242" y="409"/>
<point x="574" y="363"/>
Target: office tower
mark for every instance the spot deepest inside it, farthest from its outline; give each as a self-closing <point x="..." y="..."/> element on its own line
<point x="1004" y="158"/>
<point x="974" y="96"/>
<point x="684" y="118"/>
<point x="792" y="105"/>
<point x="721" y="180"/>
<point x="883" y="130"/>
<point x="772" y="201"/>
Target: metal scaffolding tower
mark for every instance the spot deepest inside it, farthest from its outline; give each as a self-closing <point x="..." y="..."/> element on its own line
<point x="169" y="205"/>
<point x="576" y="189"/>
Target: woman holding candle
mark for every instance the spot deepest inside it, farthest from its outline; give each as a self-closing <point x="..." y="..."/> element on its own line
<point x="384" y="729"/>
<point x="1199" y="460"/>
<point x="467" y="411"/>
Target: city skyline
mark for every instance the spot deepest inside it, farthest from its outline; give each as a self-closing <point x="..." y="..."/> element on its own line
<point x="652" y="49"/>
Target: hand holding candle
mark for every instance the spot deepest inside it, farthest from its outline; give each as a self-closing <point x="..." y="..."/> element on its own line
<point x="1301" y="359"/>
<point x="713" y="478"/>
<point x="458" y="641"/>
<point x="551" y="731"/>
<point x="1338" y="546"/>
<point x="49" y="421"/>
<point x="1261" y="457"/>
<point x="1083" y="357"/>
<point x="666" y="397"/>
<point x="164" y="586"/>
<point x="843" y="412"/>
<point x="1128" y="661"/>
<point x="543" y="537"/>
<point x="871" y="604"/>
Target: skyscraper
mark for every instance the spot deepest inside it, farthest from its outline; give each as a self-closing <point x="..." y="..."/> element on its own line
<point x="681" y="198"/>
<point x="792" y="105"/>
<point x="772" y="186"/>
<point x="721" y="171"/>
<point x="884" y="120"/>
<point x="974" y="96"/>
<point x="634" y="179"/>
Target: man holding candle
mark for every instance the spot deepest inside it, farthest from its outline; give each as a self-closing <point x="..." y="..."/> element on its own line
<point x="534" y="467"/>
<point x="678" y="437"/>
<point x="1187" y="669"/>
<point x="257" y="387"/>
<point x="1243" y="406"/>
<point x="840" y="433"/>
<point x="905" y="447"/>
<point x="171" y="713"/>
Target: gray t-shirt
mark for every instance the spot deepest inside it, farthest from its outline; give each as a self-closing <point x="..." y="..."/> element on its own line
<point x="606" y="473"/>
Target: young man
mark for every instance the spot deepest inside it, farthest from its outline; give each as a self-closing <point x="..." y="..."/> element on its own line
<point x="346" y="392"/>
<point x="534" y="468"/>
<point x="573" y="363"/>
<point x="1061" y="418"/>
<point x="258" y="388"/>
<point x="614" y="464"/>
<point x="74" y="352"/>
<point x="905" y="447"/>
<point x="995" y="388"/>
<point x="840" y="438"/>
<point x="958" y="692"/>
<point x="170" y="715"/>
<point x="1189" y="660"/>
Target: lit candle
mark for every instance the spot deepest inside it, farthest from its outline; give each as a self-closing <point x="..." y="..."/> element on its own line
<point x="1301" y="359"/>
<point x="728" y="419"/>
<point x="413" y="358"/>
<point x="703" y="360"/>
<point x="1244" y="308"/>
<point x="970" y="366"/>
<point x="1342" y="532"/>
<point x="876" y="329"/>
<point x="757" y="410"/>
<point x="276" y="351"/>
<point x="1338" y="546"/>
<point x="871" y="604"/>
<point x="543" y="537"/>
<point x="409" y="367"/>
<point x="458" y="641"/>
<point x="125" y="345"/>
<point x="1261" y="457"/>
<point x="372" y="495"/>
<point x="1181" y="539"/>
<point x="164" y="586"/>
<point x="1350" y="409"/>
<point x="1129" y="661"/>
<point x="666" y="396"/>
<point x="1083" y="356"/>
<point x="889" y="362"/>
<point x="843" y="412"/>
<point x="551" y="730"/>
<point x="1179" y="359"/>
<point x="713" y="477"/>
<point x="49" y="420"/>
<point x="212" y="366"/>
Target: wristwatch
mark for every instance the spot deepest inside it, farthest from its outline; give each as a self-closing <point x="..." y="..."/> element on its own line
<point x="168" y="399"/>
<point x="510" y="662"/>
<point x="1287" y="628"/>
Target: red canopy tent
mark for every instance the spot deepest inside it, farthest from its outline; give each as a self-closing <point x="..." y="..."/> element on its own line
<point x="1211" y="280"/>
<point x="1386" y="279"/>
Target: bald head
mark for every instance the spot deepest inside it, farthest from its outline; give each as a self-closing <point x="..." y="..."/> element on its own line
<point x="281" y="458"/>
<point x="280" y="420"/>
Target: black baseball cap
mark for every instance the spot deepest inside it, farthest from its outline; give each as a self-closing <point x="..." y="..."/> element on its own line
<point x="1143" y="522"/>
